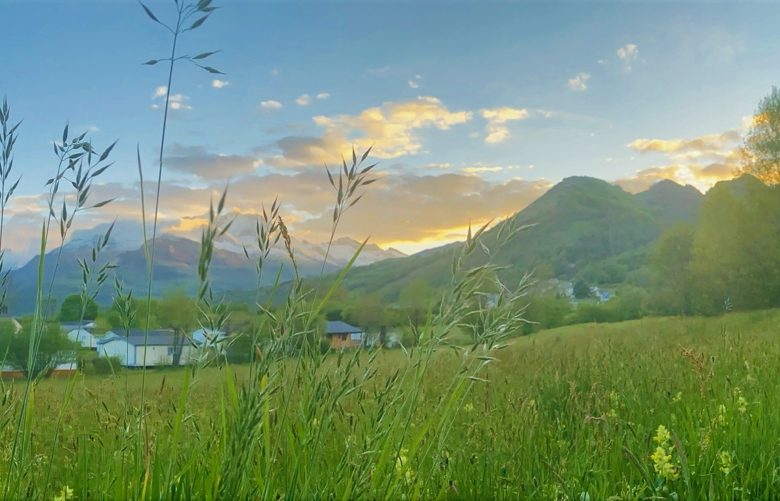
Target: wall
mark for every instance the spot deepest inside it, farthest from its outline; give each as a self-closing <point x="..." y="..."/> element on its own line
<point x="118" y="347"/>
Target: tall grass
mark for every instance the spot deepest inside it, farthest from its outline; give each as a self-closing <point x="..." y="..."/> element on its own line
<point x="565" y="415"/>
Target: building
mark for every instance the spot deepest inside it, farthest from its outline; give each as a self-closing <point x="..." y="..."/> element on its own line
<point x="81" y="334"/>
<point x="8" y="371"/>
<point x="160" y="348"/>
<point x="342" y="335"/>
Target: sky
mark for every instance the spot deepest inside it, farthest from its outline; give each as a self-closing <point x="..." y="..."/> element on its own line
<point x="474" y="109"/>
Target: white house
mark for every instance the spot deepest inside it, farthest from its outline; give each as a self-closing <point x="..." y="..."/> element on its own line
<point x="208" y="338"/>
<point x="159" y="348"/>
<point x="81" y="334"/>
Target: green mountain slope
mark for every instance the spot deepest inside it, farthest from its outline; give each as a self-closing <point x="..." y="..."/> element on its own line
<point x="579" y="223"/>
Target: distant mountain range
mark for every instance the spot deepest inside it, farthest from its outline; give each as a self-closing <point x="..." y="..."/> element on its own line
<point x="176" y="260"/>
<point x="582" y="227"/>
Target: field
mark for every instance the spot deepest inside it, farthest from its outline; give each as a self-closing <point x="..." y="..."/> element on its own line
<point x="663" y="408"/>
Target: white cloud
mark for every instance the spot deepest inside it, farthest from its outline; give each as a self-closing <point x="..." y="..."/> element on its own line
<point x="275" y="72"/>
<point x="413" y="84"/>
<point x="628" y="54"/>
<point x="323" y="95"/>
<point x="303" y="100"/>
<point x="176" y="102"/>
<point x="579" y="82"/>
<point x="271" y="105"/>
<point x="497" y="118"/>
<point x="219" y="84"/>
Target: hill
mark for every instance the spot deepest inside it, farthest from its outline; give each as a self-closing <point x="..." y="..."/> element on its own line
<point x="581" y="226"/>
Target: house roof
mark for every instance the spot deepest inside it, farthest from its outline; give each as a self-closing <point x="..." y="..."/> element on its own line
<point x="87" y="326"/>
<point x="137" y="337"/>
<point x="339" y="327"/>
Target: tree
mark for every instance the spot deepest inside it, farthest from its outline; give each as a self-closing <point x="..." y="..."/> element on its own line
<point x="179" y="313"/>
<point x="762" y="143"/>
<point x="14" y="347"/>
<point x="581" y="289"/>
<point x="416" y="299"/>
<point x="670" y="262"/>
<point x="71" y="309"/>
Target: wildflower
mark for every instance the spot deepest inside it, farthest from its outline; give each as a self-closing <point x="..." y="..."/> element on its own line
<point x="662" y="435"/>
<point x="65" y="494"/>
<point x="678" y="397"/>
<point x="662" y="463"/>
<point x="726" y="463"/>
<point x="315" y="423"/>
<point x="662" y="456"/>
<point x="402" y="466"/>
<point x="721" y="418"/>
<point x="468" y="408"/>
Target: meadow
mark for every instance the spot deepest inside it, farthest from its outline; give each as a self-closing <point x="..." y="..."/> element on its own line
<point x="663" y="408"/>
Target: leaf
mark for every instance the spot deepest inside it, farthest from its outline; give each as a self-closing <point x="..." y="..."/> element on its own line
<point x="108" y="151"/>
<point x="151" y="62"/>
<point x="104" y="202"/>
<point x="65" y="134"/>
<point x="204" y="55"/>
<point x="150" y="13"/>
<point x="199" y="22"/>
<point x="212" y="70"/>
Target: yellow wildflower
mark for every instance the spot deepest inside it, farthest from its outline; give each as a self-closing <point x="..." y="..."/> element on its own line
<point x="678" y="397"/>
<point x="65" y="494"/>
<point x="663" y="465"/>
<point x="662" y="435"/>
<point x="726" y="463"/>
<point x="742" y="404"/>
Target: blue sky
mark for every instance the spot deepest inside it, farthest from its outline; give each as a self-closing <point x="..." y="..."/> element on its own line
<point x="474" y="108"/>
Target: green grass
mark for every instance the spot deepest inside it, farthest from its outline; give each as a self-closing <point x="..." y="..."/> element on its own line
<point x="565" y="412"/>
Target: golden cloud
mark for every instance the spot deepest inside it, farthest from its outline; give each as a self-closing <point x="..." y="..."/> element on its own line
<point x="391" y="130"/>
<point x="496" y="122"/>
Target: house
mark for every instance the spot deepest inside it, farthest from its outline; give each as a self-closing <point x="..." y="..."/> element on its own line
<point x="160" y="348"/>
<point x="207" y="338"/>
<point x="342" y="335"/>
<point x="8" y="371"/>
<point x="81" y="334"/>
<point x="64" y="365"/>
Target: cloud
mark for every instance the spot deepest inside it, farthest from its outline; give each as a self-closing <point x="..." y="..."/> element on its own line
<point x="699" y="146"/>
<point x="271" y="105"/>
<point x="628" y="54"/>
<point x="219" y="84"/>
<point x="425" y="207"/>
<point x="275" y="72"/>
<point x="323" y="95"/>
<point x="700" y="161"/>
<point x="391" y="129"/>
<point x="579" y="82"/>
<point x="497" y="118"/>
<point x="413" y="84"/>
<point x="196" y="160"/>
<point x="303" y="100"/>
<point x="176" y="102"/>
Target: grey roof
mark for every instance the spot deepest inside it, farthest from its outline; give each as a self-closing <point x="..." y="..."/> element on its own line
<point x="137" y="337"/>
<point x="339" y="327"/>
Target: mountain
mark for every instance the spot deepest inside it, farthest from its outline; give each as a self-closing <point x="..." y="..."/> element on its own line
<point x="669" y="202"/>
<point x="582" y="227"/>
<point x="175" y="268"/>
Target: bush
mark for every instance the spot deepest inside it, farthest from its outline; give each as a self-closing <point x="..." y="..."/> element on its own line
<point x="106" y="365"/>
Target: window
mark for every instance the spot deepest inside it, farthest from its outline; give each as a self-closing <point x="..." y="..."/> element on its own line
<point x="356" y="336"/>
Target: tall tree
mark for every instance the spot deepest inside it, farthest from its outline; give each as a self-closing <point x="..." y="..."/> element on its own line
<point x="72" y="306"/>
<point x="762" y="143"/>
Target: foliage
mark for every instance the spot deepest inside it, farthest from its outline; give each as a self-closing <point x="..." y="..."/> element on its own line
<point x="51" y="345"/>
<point x="762" y="143"/>
<point x="72" y="306"/>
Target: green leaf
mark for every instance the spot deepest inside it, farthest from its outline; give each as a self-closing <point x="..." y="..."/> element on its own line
<point x="212" y="70"/>
<point x="204" y="55"/>
<point x="152" y="62"/>
<point x="199" y="22"/>
<point x="150" y="13"/>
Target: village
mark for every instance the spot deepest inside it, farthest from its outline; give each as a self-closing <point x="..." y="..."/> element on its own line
<point x="137" y="348"/>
